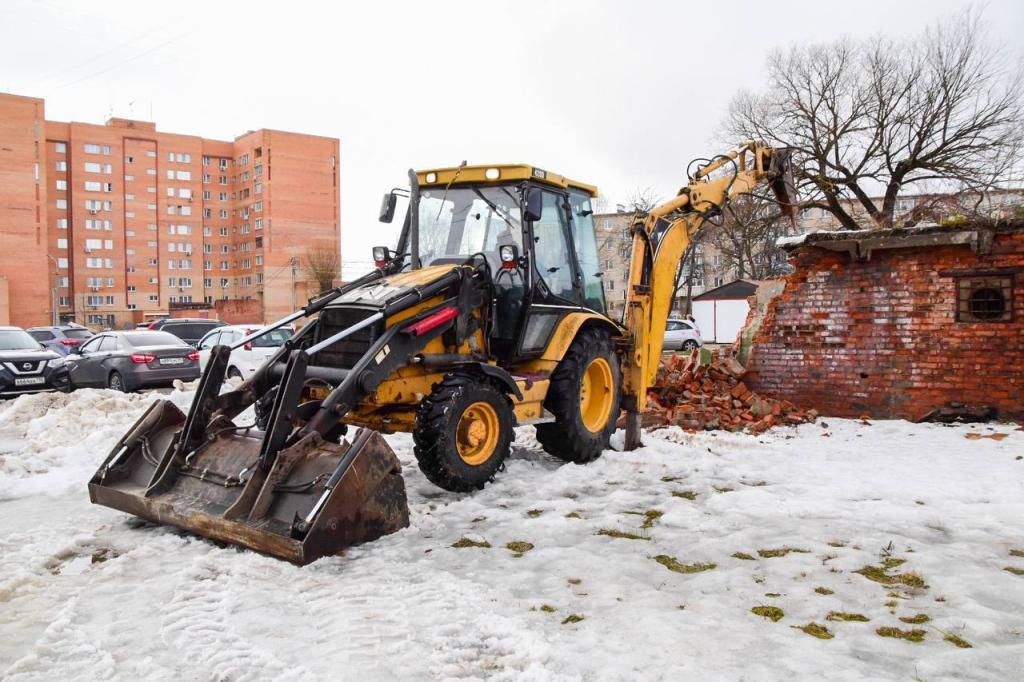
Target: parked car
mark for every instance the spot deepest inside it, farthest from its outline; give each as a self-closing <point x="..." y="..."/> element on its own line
<point x="189" y="329"/>
<point x="682" y="335"/>
<point x="27" y="367"/>
<point x="128" y="361"/>
<point x="60" y="339"/>
<point x="247" y="359"/>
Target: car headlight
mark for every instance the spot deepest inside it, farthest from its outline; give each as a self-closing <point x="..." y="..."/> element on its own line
<point x="56" y="362"/>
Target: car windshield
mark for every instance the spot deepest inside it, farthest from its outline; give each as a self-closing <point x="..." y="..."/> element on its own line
<point x="78" y="333"/>
<point x="272" y="339"/>
<point x="16" y="339"/>
<point x="468" y="220"/>
<point x="150" y="339"/>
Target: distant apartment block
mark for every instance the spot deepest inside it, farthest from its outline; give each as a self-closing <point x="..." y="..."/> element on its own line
<point x="116" y="224"/>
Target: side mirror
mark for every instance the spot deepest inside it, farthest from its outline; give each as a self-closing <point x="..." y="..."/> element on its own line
<point x="387" y="207"/>
<point x="534" y="204"/>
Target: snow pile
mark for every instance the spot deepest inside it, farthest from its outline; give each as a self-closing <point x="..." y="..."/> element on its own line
<point x="49" y="441"/>
<point x="701" y="555"/>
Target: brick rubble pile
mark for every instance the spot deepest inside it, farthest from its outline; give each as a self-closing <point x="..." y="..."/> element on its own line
<point x="713" y="396"/>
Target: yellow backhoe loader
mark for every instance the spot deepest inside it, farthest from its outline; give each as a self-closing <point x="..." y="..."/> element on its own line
<point x="490" y="313"/>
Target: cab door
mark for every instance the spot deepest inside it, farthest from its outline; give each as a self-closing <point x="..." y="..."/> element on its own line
<point x="557" y="286"/>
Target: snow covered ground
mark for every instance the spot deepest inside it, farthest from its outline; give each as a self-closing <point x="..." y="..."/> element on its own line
<point x="89" y="593"/>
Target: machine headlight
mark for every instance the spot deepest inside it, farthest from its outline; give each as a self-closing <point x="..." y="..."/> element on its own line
<point x="56" y="362"/>
<point x="431" y="178"/>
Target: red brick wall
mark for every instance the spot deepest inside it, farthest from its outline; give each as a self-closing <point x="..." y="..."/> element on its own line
<point x="881" y="337"/>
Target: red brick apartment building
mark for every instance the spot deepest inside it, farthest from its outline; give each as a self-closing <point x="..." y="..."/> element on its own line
<point x="116" y="224"/>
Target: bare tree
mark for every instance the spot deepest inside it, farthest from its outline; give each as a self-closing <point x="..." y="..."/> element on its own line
<point x="881" y="115"/>
<point x="323" y="265"/>
<point x="747" y="237"/>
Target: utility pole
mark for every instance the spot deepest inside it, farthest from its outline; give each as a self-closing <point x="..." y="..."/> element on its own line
<point x="295" y="267"/>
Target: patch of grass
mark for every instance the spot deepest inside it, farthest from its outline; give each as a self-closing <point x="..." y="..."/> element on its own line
<point x="1014" y="570"/>
<point x="1017" y="552"/>
<point x="896" y="595"/>
<point x="815" y="630"/>
<point x="573" y="515"/>
<point x="572" y="618"/>
<point x="892" y="562"/>
<point x="915" y="620"/>
<point x="755" y="484"/>
<point x="613" y="533"/>
<point x="466" y="542"/>
<point x="957" y="641"/>
<point x="685" y="494"/>
<point x="879" y="575"/>
<point x="773" y="594"/>
<point x="742" y="555"/>
<point x="837" y="543"/>
<point x="781" y="551"/>
<point x="914" y="635"/>
<point x="547" y="608"/>
<point x="574" y="581"/>
<point x="724" y="489"/>
<point x="671" y="564"/>
<point x="650" y="516"/>
<point x="519" y="547"/>
<point x="892" y="604"/>
<point x="671" y="479"/>
<point x="478" y="519"/>
<point x="534" y="513"/>
<point x="823" y="590"/>
<point x="840" y="615"/>
<point x="772" y="613"/>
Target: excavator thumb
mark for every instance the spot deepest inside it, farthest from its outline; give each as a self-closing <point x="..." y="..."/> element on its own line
<point x="313" y="499"/>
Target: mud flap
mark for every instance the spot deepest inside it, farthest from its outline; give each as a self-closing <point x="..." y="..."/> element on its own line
<point x="316" y="499"/>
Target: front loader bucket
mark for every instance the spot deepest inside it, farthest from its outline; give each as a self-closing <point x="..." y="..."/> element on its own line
<point x="316" y="498"/>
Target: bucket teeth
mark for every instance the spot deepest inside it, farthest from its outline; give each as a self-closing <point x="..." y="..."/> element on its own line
<point x="316" y="499"/>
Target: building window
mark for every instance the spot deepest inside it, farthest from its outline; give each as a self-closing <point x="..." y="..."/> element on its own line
<point x="62" y="243"/>
<point x="985" y="298"/>
<point x="62" y="166"/>
<point x="60" y="148"/>
<point x="62" y="204"/>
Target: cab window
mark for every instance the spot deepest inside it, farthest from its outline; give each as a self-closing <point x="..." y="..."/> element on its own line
<point x="551" y="246"/>
<point x="585" y="239"/>
<point x="210" y="341"/>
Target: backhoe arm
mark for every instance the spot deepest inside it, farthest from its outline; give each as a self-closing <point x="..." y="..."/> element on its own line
<point x="660" y="238"/>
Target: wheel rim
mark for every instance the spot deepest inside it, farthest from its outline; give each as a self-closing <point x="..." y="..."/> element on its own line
<point x="115" y="382"/>
<point x="596" y="395"/>
<point x="477" y="434"/>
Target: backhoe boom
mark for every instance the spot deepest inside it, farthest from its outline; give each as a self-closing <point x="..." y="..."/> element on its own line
<point x="660" y="238"/>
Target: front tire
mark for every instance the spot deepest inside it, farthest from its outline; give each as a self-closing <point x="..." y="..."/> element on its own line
<point x="463" y="432"/>
<point x="689" y="345"/>
<point x="584" y="397"/>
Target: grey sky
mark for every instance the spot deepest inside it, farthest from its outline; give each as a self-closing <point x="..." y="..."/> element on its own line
<point x="621" y="95"/>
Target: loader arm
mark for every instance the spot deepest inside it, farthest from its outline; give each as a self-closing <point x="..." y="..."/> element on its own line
<point x="660" y="238"/>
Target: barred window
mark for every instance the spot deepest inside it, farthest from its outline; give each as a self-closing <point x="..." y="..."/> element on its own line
<point x="984" y="298"/>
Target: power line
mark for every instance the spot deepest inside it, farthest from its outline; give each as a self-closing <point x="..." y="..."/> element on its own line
<point x="123" y="62"/>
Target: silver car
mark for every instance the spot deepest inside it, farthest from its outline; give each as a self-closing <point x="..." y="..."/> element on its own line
<point x="682" y="335"/>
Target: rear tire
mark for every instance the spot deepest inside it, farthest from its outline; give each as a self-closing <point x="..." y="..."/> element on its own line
<point x="689" y="345"/>
<point x="463" y="432"/>
<point x="584" y="397"/>
<point x="115" y="382"/>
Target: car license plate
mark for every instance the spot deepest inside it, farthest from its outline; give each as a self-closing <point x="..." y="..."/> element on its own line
<point x="29" y="381"/>
<point x="172" y="361"/>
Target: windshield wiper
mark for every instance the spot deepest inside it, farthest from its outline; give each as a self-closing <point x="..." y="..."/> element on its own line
<point x="493" y="207"/>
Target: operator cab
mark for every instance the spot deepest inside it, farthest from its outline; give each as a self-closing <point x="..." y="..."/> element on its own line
<point x="533" y="229"/>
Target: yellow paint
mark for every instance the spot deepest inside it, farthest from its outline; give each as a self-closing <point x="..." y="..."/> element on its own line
<point x="597" y="395"/>
<point x="508" y="173"/>
<point x="477" y="433"/>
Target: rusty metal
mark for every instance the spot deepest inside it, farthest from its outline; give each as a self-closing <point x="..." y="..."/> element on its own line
<point x="316" y="499"/>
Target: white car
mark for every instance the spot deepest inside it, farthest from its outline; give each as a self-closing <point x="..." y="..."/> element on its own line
<point x="682" y="335"/>
<point x="245" y="360"/>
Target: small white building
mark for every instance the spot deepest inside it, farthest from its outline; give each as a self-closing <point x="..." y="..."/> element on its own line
<point x="721" y="312"/>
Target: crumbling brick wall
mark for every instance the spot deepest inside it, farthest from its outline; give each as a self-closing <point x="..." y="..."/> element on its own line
<point x="881" y="337"/>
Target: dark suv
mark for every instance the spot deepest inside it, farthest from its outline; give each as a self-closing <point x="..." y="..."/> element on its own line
<point x="27" y="367"/>
<point x="188" y="329"/>
<point x="60" y="339"/>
